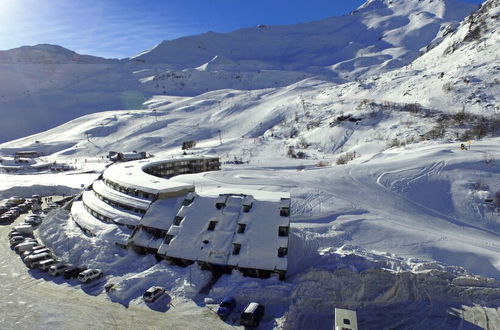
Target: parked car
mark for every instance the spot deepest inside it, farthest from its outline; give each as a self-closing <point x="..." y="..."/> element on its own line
<point x="58" y="268"/>
<point x="13" y="212"/>
<point x="88" y="275"/>
<point x="10" y="203"/>
<point x="25" y="245"/>
<point x="5" y="218"/>
<point x="33" y="220"/>
<point x="153" y="293"/>
<point x="14" y="240"/>
<point x="23" y="208"/>
<point x="33" y="260"/>
<point x="46" y="264"/>
<point x="35" y="250"/>
<point x="27" y="229"/>
<point x="73" y="271"/>
<point x="3" y="209"/>
<point x="13" y="233"/>
<point x="16" y="199"/>
<point x="252" y="315"/>
<point x="226" y="307"/>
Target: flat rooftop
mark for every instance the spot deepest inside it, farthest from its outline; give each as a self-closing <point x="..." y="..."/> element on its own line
<point x="131" y="175"/>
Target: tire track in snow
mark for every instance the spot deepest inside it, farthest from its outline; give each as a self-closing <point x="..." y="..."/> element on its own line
<point x="434" y="169"/>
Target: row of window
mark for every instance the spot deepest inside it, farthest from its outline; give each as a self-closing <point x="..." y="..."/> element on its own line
<point x="184" y="166"/>
<point x="282" y="230"/>
<point x="157" y="233"/>
<point x="282" y="251"/>
<point x="129" y="191"/>
<point x="116" y="204"/>
<point x="104" y="218"/>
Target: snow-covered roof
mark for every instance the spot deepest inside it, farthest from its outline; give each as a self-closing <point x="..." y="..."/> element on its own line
<point x="260" y="241"/>
<point x="209" y="234"/>
<point x="89" y="223"/>
<point x="132" y="175"/>
<point x="144" y="239"/>
<point x="161" y="213"/>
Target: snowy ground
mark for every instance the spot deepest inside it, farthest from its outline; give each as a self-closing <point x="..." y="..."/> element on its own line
<point x="406" y="230"/>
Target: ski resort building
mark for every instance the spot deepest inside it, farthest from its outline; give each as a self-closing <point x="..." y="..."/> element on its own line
<point x="124" y="192"/>
<point x="247" y="231"/>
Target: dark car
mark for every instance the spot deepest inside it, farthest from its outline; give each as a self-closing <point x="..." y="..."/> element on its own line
<point x="7" y="218"/>
<point x="73" y="271"/>
<point x="14" y="240"/>
<point x="33" y="220"/>
<point x="252" y="315"/>
<point x="226" y="307"/>
<point x="17" y="233"/>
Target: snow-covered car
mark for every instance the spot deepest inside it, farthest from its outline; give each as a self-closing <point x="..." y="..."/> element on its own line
<point x="58" y="268"/>
<point x="252" y="315"/>
<point x="226" y="307"/>
<point x="88" y="275"/>
<point x="153" y="293"/>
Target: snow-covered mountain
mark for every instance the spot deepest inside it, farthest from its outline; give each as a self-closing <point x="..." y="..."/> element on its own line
<point x="48" y="54"/>
<point x="389" y="215"/>
<point x="379" y="36"/>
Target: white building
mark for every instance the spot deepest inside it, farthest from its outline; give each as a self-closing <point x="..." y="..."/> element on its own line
<point x="247" y="231"/>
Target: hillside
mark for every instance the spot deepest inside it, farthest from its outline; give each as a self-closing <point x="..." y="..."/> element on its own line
<point x="378" y="37"/>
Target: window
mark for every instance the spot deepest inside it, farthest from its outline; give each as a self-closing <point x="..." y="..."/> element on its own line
<point x="241" y="228"/>
<point x="247" y="207"/>
<point x="211" y="225"/>
<point x="283" y="231"/>
<point x="178" y="220"/>
<point x="285" y="212"/>
<point x="282" y="252"/>
<point x="168" y="238"/>
<point x="347" y="321"/>
<point x="236" y="248"/>
<point x="187" y="202"/>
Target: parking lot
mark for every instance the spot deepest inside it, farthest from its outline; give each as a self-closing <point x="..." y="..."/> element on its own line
<point x="35" y="300"/>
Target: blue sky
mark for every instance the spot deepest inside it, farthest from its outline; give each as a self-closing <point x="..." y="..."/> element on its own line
<point x="122" y="28"/>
